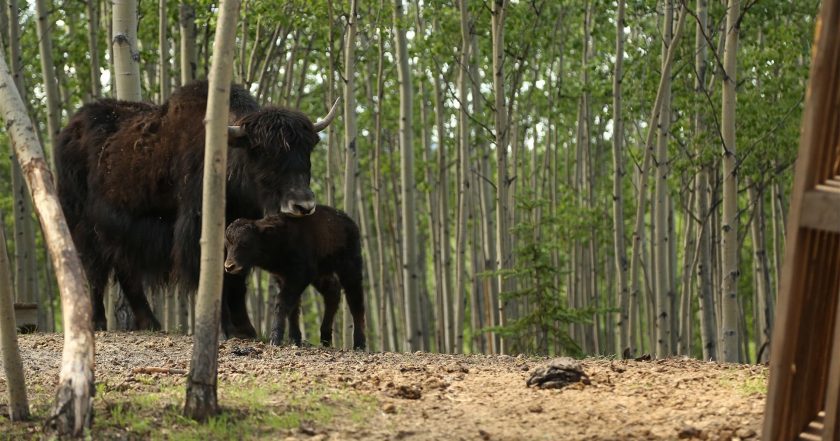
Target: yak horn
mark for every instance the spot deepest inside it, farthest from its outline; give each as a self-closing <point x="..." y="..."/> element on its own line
<point x="322" y="124"/>
<point x="235" y="132"/>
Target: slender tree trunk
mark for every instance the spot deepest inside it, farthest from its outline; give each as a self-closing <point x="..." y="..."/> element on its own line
<point x="351" y="162"/>
<point x="331" y="132"/>
<point x="620" y="249"/>
<point x="25" y="277"/>
<point x="48" y="72"/>
<point x="163" y="46"/>
<point x="13" y="367"/>
<point x="189" y="56"/>
<point x="463" y="183"/>
<point x="74" y="398"/>
<point x="502" y="137"/>
<point x="664" y="298"/>
<point x="708" y="328"/>
<point x="636" y="255"/>
<point x="201" y="400"/>
<point x="414" y="335"/>
<point x="93" y="46"/>
<point x="445" y="258"/>
<point x="378" y="189"/>
<point x="729" y="225"/>
<point x="126" y="53"/>
<point x="764" y="304"/>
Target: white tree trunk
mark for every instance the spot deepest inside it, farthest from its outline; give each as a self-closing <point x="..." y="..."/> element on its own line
<point x="502" y="136"/>
<point x="730" y="336"/>
<point x="413" y="330"/>
<point x="463" y="185"/>
<point x="620" y="251"/>
<point x="189" y="56"/>
<point x="74" y="398"/>
<point x="13" y="367"/>
<point x="48" y="72"/>
<point x="126" y="52"/>
<point x="661" y="240"/>
<point x="201" y="399"/>
<point x="163" y="47"/>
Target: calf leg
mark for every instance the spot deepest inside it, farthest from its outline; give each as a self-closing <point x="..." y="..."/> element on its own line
<point x="132" y="286"/>
<point x="235" y="320"/>
<point x="351" y="279"/>
<point x="329" y="287"/>
<point x="287" y="303"/>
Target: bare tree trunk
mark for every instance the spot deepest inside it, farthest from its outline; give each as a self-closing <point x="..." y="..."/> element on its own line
<point x="708" y="328"/>
<point x="93" y="46"/>
<point x="414" y="331"/>
<point x="502" y="137"/>
<point x="48" y="72"/>
<point x="351" y="162"/>
<point x="445" y="258"/>
<point x="189" y="56"/>
<point x="163" y="46"/>
<point x="25" y="277"/>
<point x="126" y="52"/>
<point x="201" y="400"/>
<point x="664" y="298"/>
<point x="763" y="299"/>
<point x="621" y="264"/>
<point x="74" y="398"/>
<point x="463" y="184"/>
<point x="13" y="367"/>
<point x="729" y="225"/>
<point x="636" y="255"/>
<point x="378" y="189"/>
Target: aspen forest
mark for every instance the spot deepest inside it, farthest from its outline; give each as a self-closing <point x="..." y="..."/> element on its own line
<point x="526" y="178"/>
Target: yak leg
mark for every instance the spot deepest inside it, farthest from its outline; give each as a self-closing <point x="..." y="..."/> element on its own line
<point x="329" y="287"/>
<point x="287" y="302"/>
<point x="235" y="321"/>
<point x="351" y="279"/>
<point x="292" y="306"/>
<point x="97" y="296"/>
<point x="132" y="286"/>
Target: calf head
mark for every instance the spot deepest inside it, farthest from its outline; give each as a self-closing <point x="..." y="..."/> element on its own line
<point x="278" y="144"/>
<point x="242" y="244"/>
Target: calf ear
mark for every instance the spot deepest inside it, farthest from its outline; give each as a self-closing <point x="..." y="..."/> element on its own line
<point x="237" y="137"/>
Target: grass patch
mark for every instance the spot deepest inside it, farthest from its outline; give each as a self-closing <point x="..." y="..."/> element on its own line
<point x="254" y="408"/>
<point x="755" y="384"/>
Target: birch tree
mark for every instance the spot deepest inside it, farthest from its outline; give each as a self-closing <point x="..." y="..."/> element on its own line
<point x="189" y="55"/>
<point x="201" y="401"/>
<point x="413" y="329"/>
<point x="708" y="328"/>
<point x="13" y="367"/>
<point x="502" y="137"/>
<point x="664" y="297"/>
<point x="621" y="264"/>
<point x="730" y="335"/>
<point x="48" y="72"/>
<point x="126" y="53"/>
<point x="73" y="408"/>
<point x="163" y="47"/>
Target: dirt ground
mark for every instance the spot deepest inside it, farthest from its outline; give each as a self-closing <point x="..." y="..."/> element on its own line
<point x="324" y="394"/>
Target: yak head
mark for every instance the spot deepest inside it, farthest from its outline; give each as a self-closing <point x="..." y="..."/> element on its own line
<point x="276" y="145"/>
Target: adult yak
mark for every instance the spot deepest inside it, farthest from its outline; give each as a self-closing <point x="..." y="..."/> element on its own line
<point x="130" y="182"/>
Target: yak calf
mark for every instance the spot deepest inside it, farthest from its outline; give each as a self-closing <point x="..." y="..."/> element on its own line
<point x="321" y="249"/>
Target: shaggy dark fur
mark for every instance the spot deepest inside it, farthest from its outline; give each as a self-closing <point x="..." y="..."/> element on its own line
<point x="302" y="251"/>
<point x="130" y="182"/>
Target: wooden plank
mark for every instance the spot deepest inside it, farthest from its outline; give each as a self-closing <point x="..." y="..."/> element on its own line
<point x="832" y="398"/>
<point x="782" y="421"/>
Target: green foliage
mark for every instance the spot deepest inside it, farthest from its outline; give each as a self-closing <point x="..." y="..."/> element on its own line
<point x="546" y="323"/>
